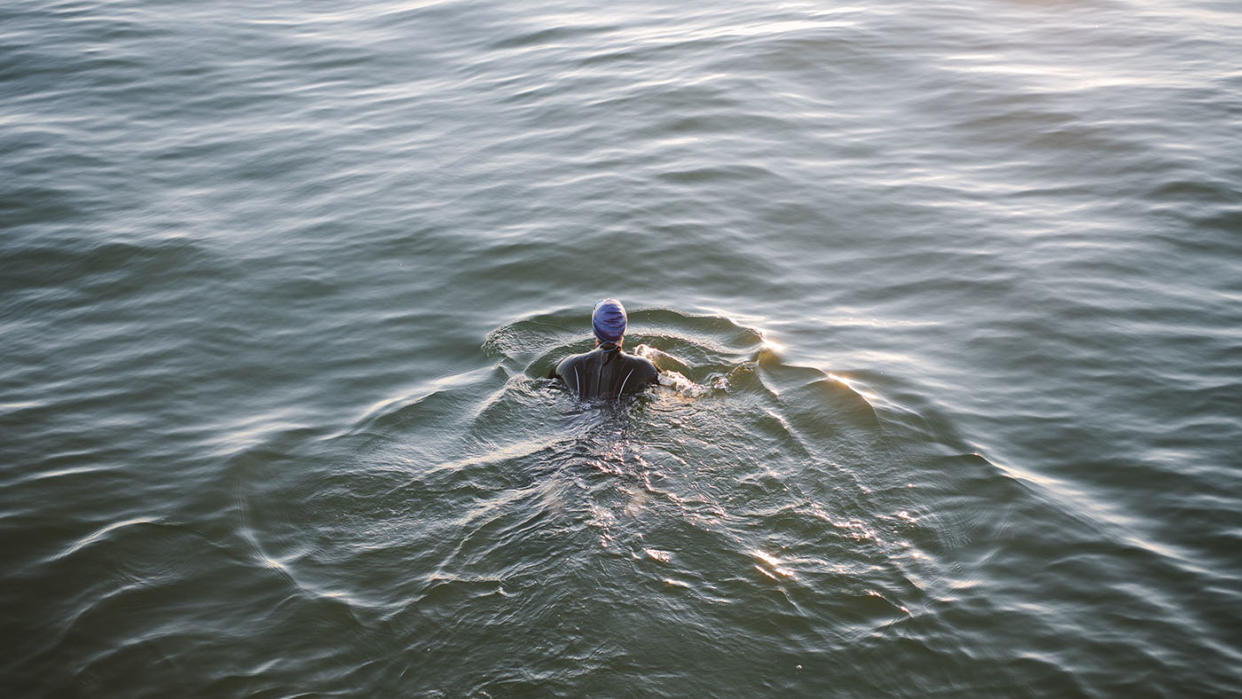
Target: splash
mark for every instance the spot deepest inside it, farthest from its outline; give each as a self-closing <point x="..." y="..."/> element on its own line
<point x="669" y="377"/>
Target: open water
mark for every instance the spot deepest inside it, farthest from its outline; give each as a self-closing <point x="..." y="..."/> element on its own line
<point x="955" y="289"/>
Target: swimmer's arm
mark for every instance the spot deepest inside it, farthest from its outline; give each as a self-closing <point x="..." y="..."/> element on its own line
<point x="663" y="361"/>
<point x="555" y="373"/>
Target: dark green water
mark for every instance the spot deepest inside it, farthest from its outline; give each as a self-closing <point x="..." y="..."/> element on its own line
<point x="955" y="288"/>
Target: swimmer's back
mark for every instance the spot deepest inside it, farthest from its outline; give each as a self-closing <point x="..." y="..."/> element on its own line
<point x="606" y="373"/>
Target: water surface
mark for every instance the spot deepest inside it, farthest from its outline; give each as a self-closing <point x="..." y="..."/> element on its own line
<point x="954" y="289"/>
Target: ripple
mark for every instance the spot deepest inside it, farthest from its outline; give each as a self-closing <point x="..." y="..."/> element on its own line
<point x="951" y="297"/>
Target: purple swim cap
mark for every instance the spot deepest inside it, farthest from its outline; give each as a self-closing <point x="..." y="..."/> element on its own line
<point x="609" y="320"/>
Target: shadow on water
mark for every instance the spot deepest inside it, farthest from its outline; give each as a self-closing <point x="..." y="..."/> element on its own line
<point x="490" y="520"/>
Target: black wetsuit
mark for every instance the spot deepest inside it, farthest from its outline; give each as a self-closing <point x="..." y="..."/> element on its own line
<point x="606" y="372"/>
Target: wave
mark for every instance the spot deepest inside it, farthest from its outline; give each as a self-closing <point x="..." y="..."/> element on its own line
<point x="491" y="498"/>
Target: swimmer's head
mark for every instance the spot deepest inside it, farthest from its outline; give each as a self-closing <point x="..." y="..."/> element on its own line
<point x="609" y="320"/>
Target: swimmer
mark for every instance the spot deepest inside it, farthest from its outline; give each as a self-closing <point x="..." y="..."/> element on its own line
<point x="606" y="371"/>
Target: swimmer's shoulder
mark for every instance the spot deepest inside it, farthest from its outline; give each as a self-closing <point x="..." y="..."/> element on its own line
<point x="567" y="364"/>
<point x="650" y="372"/>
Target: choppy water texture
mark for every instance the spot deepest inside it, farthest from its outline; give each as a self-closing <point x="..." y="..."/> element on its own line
<point x="956" y="290"/>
